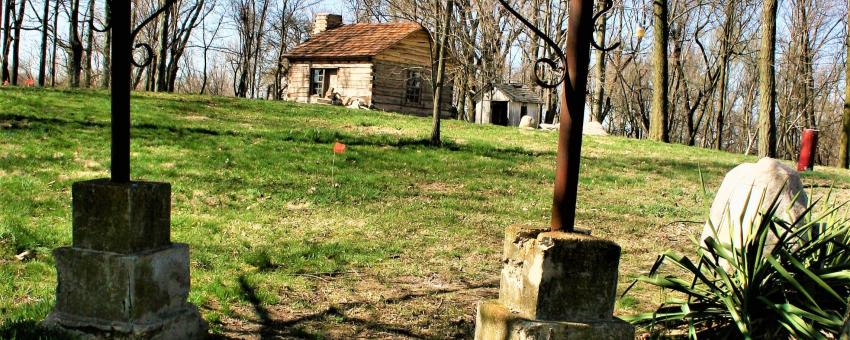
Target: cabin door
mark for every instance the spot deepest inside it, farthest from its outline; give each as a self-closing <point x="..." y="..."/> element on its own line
<point x="499" y="113"/>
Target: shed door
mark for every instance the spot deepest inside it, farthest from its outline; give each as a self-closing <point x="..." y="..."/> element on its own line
<point x="499" y="113"/>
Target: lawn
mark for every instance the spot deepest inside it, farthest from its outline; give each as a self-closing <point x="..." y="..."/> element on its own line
<point x="391" y="239"/>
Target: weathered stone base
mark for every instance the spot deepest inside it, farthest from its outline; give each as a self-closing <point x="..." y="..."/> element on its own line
<point x="187" y="324"/>
<point x="125" y="296"/>
<point x="494" y="321"/>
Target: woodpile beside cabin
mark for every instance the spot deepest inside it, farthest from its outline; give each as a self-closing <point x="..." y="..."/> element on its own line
<point x="383" y="66"/>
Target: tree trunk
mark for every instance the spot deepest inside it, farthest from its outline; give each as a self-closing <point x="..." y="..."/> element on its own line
<point x="659" y="121"/>
<point x="724" y="71"/>
<point x="107" y="50"/>
<point x="162" y="66"/>
<point x="441" y="72"/>
<point x="258" y="48"/>
<point x="7" y="37"/>
<point x="19" y="21"/>
<point x="767" y="80"/>
<point x="55" y="39"/>
<point x="844" y="148"/>
<point x="75" y="45"/>
<point x="42" y="63"/>
<point x="599" y="69"/>
<point x="89" y="45"/>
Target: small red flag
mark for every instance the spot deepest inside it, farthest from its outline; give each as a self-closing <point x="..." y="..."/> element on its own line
<point x="339" y="148"/>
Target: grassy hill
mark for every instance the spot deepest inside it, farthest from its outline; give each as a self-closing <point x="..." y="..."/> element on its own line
<point x="391" y="239"/>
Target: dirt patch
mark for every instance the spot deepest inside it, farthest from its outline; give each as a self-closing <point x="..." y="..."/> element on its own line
<point x="298" y="206"/>
<point x="363" y="306"/>
<point x="195" y="118"/>
<point x="440" y="187"/>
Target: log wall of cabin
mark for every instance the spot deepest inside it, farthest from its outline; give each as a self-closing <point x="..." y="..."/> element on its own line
<point x="353" y="79"/>
<point x="381" y="83"/>
<point x="391" y="67"/>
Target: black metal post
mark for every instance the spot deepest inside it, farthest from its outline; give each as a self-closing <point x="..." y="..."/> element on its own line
<point x="121" y="59"/>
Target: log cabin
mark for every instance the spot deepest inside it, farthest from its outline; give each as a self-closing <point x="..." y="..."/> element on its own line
<point x="383" y="66"/>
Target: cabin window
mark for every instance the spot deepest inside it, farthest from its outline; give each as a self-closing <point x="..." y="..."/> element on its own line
<point x="317" y="82"/>
<point x="413" y="94"/>
<point x="523" y="111"/>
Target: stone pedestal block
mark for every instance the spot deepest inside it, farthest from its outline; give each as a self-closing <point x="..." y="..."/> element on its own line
<point x="137" y="287"/>
<point x="123" y="278"/>
<point x="558" y="276"/>
<point x="554" y="285"/>
<point x="495" y="321"/>
<point x="135" y="296"/>
<point x="121" y="217"/>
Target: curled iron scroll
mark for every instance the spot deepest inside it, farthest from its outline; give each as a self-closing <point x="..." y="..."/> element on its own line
<point x="148" y="50"/>
<point x="554" y="46"/>
<point x="543" y="61"/>
<point x="608" y="5"/>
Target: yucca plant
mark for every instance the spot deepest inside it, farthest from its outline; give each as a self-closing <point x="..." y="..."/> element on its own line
<point x="796" y="289"/>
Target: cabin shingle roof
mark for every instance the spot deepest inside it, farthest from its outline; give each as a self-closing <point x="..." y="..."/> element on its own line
<point x="354" y="41"/>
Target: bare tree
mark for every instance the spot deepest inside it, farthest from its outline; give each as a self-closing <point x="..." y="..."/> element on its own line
<point x="767" y="78"/>
<point x="441" y="73"/>
<point x="206" y="45"/>
<point x="75" y="46"/>
<point x="87" y="80"/>
<point x="55" y="43"/>
<point x="659" y="128"/>
<point x="844" y="148"/>
<point x="7" y="39"/>
<point x="107" y="49"/>
<point x="597" y="112"/>
<point x="725" y="54"/>
<point x="45" y="25"/>
<point x="19" y="21"/>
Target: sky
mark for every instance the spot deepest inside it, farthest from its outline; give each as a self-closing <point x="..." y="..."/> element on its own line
<point x="332" y="6"/>
<point x="32" y="38"/>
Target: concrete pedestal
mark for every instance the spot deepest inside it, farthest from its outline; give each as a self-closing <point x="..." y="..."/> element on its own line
<point x="123" y="278"/>
<point x="554" y="285"/>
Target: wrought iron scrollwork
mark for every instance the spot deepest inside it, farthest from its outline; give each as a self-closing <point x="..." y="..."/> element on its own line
<point x="562" y="67"/>
<point x="147" y="49"/>
<point x="148" y="55"/>
<point x="545" y="60"/>
<point x="609" y="4"/>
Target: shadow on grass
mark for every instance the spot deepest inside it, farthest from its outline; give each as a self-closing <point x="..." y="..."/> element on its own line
<point x="296" y="328"/>
<point x="317" y="136"/>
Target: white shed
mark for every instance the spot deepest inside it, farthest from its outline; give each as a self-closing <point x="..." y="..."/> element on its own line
<point x="506" y="104"/>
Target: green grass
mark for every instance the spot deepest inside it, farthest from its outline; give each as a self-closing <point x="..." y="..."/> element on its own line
<point x="393" y="237"/>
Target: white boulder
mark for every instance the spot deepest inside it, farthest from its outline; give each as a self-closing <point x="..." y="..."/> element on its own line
<point x="749" y="190"/>
<point x="594" y="129"/>
<point x="527" y="122"/>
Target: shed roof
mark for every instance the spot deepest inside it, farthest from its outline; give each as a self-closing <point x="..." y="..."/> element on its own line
<point x="354" y="41"/>
<point x="519" y="93"/>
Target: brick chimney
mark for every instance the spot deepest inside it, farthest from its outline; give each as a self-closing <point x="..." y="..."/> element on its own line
<point x="326" y="22"/>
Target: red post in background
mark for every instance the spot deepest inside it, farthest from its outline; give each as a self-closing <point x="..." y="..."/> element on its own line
<point x="808" y="150"/>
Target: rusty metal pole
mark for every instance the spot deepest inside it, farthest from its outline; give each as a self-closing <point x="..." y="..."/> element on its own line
<point x="573" y="99"/>
<point x="121" y="59"/>
<point x="574" y="65"/>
